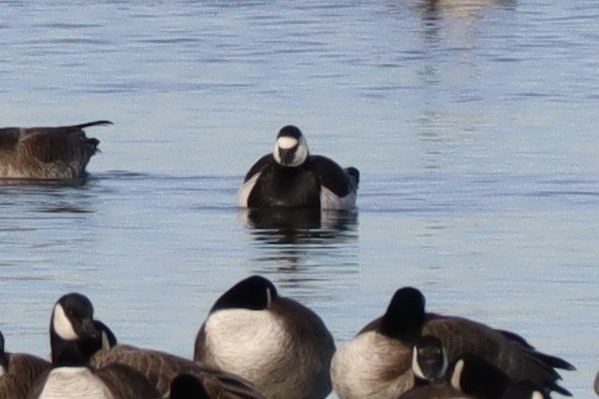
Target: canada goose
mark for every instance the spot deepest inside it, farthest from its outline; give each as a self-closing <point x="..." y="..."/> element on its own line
<point x="469" y="376"/>
<point x="290" y="177"/>
<point x="276" y="343"/>
<point x="376" y="362"/>
<point x="18" y="372"/>
<point x="71" y="377"/>
<point x="162" y="368"/>
<point x="57" y="153"/>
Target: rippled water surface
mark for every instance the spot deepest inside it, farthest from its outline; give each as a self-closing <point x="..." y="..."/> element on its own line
<point x="474" y="124"/>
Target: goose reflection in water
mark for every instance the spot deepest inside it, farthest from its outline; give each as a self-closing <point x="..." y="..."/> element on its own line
<point x="291" y="240"/>
<point x="303" y="226"/>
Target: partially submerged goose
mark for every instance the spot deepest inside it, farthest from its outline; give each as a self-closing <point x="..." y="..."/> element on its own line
<point x="18" y="372"/>
<point x="46" y="153"/>
<point x="276" y="343"/>
<point x="290" y="177"/>
<point x="72" y="328"/>
<point x="377" y="362"/>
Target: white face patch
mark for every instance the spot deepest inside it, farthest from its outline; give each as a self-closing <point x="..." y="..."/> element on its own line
<point x="536" y="395"/>
<point x="286" y="143"/>
<point x="456" y="377"/>
<point x="416" y="366"/>
<point x="62" y="325"/>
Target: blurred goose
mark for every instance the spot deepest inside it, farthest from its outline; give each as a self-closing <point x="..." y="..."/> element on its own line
<point x="161" y="369"/>
<point x="290" y="177"/>
<point x="596" y="384"/>
<point x="276" y="343"/>
<point x="57" y="153"/>
<point x="71" y="377"/>
<point x="376" y="362"/>
<point x="18" y="372"/>
<point x="187" y="386"/>
<point x="524" y="390"/>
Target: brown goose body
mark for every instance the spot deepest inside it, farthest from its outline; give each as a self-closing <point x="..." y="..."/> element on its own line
<point x="161" y="368"/>
<point x="19" y="371"/>
<point x="46" y="153"/>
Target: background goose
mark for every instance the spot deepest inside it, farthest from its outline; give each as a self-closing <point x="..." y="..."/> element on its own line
<point x="72" y="328"/>
<point x="60" y="153"/>
<point x="376" y="363"/>
<point x="18" y="372"/>
<point x="277" y="344"/>
<point x="290" y="177"/>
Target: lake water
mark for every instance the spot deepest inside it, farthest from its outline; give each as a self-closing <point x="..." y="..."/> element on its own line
<point x="474" y="124"/>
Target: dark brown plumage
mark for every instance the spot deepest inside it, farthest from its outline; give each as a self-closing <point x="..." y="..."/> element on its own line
<point x="18" y="372"/>
<point x="385" y="344"/>
<point x="47" y="153"/>
<point x="161" y="368"/>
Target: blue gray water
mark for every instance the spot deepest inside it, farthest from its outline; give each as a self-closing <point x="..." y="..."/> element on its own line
<point x="474" y="124"/>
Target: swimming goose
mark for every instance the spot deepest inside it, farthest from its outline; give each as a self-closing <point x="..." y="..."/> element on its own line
<point x="18" y="372"/>
<point x="292" y="178"/>
<point x="376" y="362"/>
<point x="71" y="377"/>
<point x="57" y="153"/>
<point x="276" y="343"/>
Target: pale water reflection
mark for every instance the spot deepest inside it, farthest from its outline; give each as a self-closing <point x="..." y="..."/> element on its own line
<point x="473" y="124"/>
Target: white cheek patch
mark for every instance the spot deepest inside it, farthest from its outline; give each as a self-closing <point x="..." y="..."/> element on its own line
<point x="62" y="325"/>
<point x="416" y="366"/>
<point x="286" y="142"/>
<point x="456" y="377"/>
<point x="537" y="395"/>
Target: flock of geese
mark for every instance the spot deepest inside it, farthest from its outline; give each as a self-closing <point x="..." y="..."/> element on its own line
<point x="255" y="343"/>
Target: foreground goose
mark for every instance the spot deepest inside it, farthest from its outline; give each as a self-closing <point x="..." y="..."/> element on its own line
<point x="430" y="367"/>
<point x="470" y="377"/>
<point x="292" y="178"/>
<point x="376" y="362"/>
<point x="124" y="371"/>
<point x="57" y="153"/>
<point x="18" y="372"/>
<point x="277" y="344"/>
<point x="162" y="368"/>
<point x="72" y="328"/>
